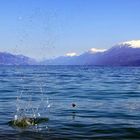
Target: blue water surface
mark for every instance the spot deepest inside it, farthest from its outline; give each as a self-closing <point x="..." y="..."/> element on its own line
<point x="107" y="101"/>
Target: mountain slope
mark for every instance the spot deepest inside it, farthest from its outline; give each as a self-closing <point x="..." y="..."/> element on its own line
<point x="10" y="59"/>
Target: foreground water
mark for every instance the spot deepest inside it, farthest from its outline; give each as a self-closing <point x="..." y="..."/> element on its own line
<point x="107" y="101"/>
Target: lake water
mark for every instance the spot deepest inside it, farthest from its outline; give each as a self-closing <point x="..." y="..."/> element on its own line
<point x="107" y="102"/>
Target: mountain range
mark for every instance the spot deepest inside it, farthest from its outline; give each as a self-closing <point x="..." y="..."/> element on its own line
<point x="122" y="54"/>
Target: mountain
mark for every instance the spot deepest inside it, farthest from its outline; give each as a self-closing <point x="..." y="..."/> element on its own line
<point x="10" y="59"/>
<point x="122" y="54"/>
<point x="86" y="58"/>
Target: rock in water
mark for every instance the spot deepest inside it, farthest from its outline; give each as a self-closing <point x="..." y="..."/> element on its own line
<point x="26" y="122"/>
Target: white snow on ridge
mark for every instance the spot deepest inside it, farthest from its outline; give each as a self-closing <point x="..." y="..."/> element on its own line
<point x="71" y="54"/>
<point x="96" y="50"/>
<point x="132" y="43"/>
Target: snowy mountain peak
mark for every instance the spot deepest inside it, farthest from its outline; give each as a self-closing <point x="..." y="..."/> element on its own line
<point x="131" y="44"/>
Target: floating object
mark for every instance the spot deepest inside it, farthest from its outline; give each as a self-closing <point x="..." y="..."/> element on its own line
<point x="27" y="122"/>
<point x="73" y="105"/>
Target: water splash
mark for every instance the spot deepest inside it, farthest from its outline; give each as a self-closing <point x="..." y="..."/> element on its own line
<point x="31" y="110"/>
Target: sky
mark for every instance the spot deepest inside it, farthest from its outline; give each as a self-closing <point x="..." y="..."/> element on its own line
<point x="45" y="29"/>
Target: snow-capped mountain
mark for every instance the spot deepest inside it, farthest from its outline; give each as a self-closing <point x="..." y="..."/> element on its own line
<point x="131" y="44"/>
<point x="123" y="54"/>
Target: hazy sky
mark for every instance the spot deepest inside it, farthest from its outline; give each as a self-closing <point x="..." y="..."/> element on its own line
<point x="48" y="28"/>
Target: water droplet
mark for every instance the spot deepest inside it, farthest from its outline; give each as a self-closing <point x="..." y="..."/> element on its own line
<point x="15" y="117"/>
<point x="49" y="106"/>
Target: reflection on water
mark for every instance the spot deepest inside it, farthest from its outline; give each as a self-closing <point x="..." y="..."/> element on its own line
<point x="107" y="102"/>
